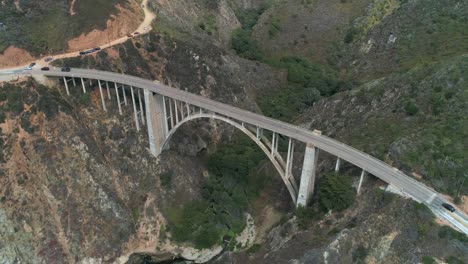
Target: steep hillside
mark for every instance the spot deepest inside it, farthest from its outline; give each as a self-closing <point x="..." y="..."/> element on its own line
<point x="385" y="76"/>
<point x="44" y="27"/>
<point x="416" y="121"/>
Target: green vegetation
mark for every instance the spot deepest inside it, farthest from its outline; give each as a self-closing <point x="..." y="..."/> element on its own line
<point x="305" y="216"/>
<point x="360" y="254"/>
<point x="430" y="141"/>
<point x="428" y="260"/>
<point x="454" y="260"/>
<point x="254" y="248"/>
<point x="166" y="179"/>
<point x="275" y="26"/>
<point x="38" y="97"/>
<point x="226" y="195"/>
<point x="46" y="26"/>
<point x="242" y="42"/>
<point x="307" y="83"/>
<point x="335" y="192"/>
<point x="208" y="24"/>
<point x="450" y="233"/>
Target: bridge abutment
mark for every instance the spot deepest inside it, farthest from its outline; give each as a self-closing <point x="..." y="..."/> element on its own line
<point x="309" y="166"/>
<point x="156" y="121"/>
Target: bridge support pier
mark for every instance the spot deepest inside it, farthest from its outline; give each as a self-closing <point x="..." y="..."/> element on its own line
<point x="102" y="96"/>
<point x="156" y="121"/>
<point x="142" y="114"/>
<point x="363" y="175"/>
<point x="124" y="95"/>
<point x="66" y="85"/>
<point x="338" y="164"/>
<point x="171" y="112"/>
<point x="83" y="85"/>
<point x="306" y="187"/>
<point x="108" y="90"/>
<point x="135" y="112"/>
<point x="74" y="82"/>
<point x="118" y="98"/>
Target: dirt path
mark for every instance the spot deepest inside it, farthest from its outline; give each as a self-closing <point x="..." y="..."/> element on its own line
<point x="18" y="57"/>
<point x="72" y="4"/>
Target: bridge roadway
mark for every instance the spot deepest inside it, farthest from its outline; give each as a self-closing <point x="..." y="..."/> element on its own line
<point x="378" y="168"/>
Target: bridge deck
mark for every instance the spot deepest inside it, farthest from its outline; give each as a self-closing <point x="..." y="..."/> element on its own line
<point x="374" y="166"/>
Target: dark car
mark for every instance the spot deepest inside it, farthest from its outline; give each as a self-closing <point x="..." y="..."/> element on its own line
<point x="45" y="69"/>
<point x="136" y="33"/>
<point x="96" y="48"/>
<point x="32" y="65"/>
<point x="82" y="53"/>
<point x="449" y="207"/>
<point x="66" y="69"/>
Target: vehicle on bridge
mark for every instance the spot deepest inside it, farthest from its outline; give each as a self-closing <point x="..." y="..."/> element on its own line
<point x="31" y="65"/>
<point x="45" y="68"/>
<point x="66" y="69"/>
<point x="448" y="207"/>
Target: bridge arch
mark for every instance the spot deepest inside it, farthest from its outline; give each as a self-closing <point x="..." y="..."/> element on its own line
<point x="279" y="168"/>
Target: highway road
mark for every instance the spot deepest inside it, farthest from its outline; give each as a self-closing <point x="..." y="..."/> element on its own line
<point x="417" y="190"/>
<point x="143" y="28"/>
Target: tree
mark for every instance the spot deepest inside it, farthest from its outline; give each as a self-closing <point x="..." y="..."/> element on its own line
<point x="335" y="192"/>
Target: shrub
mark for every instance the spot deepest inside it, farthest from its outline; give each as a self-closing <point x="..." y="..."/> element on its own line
<point x="448" y="232"/>
<point x="411" y="108"/>
<point x="166" y="179"/>
<point x="275" y="26"/>
<point x="304" y="216"/>
<point x="254" y="248"/>
<point x="360" y="254"/>
<point x="454" y="260"/>
<point x="335" y="192"/>
<point x="244" y="46"/>
<point x="428" y="260"/>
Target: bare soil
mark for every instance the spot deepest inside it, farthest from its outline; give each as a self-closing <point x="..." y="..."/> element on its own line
<point x="14" y="56"/>
<point x="118" y="26"/>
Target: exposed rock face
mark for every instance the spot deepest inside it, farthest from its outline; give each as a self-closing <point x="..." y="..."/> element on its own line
<point x="81" y="185"/>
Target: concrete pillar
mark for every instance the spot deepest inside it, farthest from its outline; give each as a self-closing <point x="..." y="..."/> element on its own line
<point x="273" y="144"/>
<point x="135" y="110"/>
<point x="166" y="126"/>
<point x="188" y="109"/>
<point x="108" y="90"/>
<point x="83" y="85"/>
<point x="309" y="166"/>
<point x="124" y="95"/>
<point x="171" y="112"/>
<point x="363" y="174"/>
<point x="176" y="109"/>
<point x="337" y="165"/>
<point x="118" y="98"/>
<point x="66" y="85"/>
<point x="155" y="121"/>
<point x="259" y="133"/>
<point x="74" y="82"/>
<point x="142" y="114"/>
<point x="102" y="96"/>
